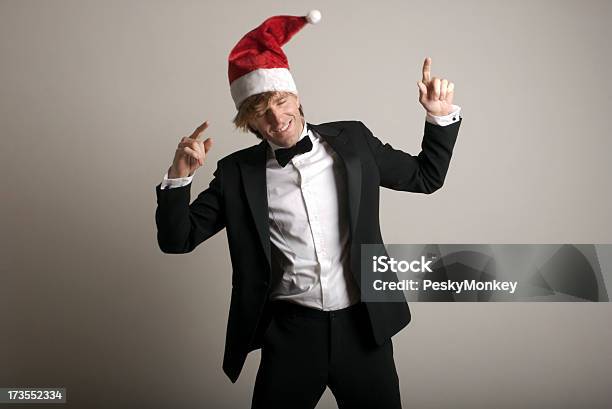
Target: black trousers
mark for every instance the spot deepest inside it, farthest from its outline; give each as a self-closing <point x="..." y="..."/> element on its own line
<point x="305" y="350"/>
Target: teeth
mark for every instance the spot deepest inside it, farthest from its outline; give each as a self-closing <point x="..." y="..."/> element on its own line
<point x="285" y="128"/>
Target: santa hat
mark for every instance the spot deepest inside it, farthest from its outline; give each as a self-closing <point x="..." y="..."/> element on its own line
<point x="258" y="64"/>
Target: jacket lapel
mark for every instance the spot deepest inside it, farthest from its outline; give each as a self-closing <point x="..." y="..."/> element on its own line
<point x="338" y="140"/>
<point x="253" y="171"/>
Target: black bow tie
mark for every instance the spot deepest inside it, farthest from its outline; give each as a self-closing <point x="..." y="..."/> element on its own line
<point x="284" y="155"/>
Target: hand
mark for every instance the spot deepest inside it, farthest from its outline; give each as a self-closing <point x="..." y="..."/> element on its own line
<point x="190" y="154"/>
<point x="435" y="95"/>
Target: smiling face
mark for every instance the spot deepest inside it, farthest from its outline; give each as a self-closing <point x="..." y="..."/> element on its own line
<point x="280" y="121"/>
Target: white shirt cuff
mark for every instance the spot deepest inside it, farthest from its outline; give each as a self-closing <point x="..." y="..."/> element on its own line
<point x="451" y="118"/>
<point x="176" y="182"/>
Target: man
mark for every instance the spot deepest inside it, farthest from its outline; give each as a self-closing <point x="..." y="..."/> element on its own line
<point x="296" y="208"/>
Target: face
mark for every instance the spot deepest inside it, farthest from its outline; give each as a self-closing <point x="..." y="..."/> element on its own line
<point x="281" y="123"/>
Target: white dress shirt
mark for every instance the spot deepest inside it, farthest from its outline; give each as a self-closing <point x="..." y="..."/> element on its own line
<point x="309" y="228"/>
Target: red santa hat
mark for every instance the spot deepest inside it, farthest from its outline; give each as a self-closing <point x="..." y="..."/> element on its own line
<point x="257" y="62"/>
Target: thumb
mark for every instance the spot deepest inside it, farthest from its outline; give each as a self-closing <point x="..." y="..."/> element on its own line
<point x="207" y="144"/>
<point x="422" y="89"/>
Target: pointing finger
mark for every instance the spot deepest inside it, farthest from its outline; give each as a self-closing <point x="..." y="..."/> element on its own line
<point x="426" y="70"/>
<point x="199" y="130"/>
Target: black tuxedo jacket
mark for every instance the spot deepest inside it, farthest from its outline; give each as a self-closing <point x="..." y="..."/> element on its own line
<point x="237" y="200"/>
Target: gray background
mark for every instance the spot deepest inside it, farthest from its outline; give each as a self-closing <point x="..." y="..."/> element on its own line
<point x="94" y="97"/>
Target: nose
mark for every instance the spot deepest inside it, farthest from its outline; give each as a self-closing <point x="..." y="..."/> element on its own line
<point x="274" y="117"/>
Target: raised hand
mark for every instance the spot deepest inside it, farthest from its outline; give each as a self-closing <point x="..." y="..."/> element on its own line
<point x="435" y="94"/>
<point x="190" y="154"/>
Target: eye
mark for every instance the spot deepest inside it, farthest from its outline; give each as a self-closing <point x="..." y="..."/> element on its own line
<point x="282" y="101"/>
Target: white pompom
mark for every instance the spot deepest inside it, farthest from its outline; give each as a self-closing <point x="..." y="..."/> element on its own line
<point x="313" y="17"/>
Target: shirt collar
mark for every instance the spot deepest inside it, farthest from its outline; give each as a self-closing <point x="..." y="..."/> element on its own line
<point x="304" y="133"/>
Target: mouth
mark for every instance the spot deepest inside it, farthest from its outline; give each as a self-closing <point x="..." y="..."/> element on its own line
<point x="285" y="128"/>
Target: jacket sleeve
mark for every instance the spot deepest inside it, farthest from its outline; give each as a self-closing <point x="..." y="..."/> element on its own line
<point x="423" y="173"/>
<point x="182" y="226"/>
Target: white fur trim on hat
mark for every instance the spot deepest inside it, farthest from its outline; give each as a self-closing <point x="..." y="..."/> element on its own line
<point x="261" y="80"/>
